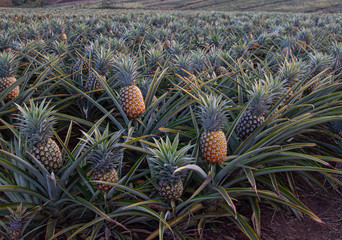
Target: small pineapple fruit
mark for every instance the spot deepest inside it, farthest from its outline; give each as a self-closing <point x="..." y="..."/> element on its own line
<point x="103" y="61"/>
<point x="304" y="38"/>
<point x="104" y="156"/>
<point x="213" y="141"/>
<point x="17" y="220"/>
<point x="260" y="96"/>
<point x="318" y="62"/>
<point x="8" y="68"/>
<point x="131" y="98"/>
<point x="82" y="65"/>
<point x="63" y="37"/>
<point x="166" y="159"/>
<point x="37" y="127"/>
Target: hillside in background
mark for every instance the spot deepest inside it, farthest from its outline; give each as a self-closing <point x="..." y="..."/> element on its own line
<point x="224" y="5"/>
<point x="307" y="6"/>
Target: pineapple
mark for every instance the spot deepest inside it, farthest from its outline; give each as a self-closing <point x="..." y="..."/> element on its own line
<point x="213" y="141"/>
<point x="304" y="38"/>
<point x="82" y="66"/>
<point x="103" y="60"/>
<point x="104" y="156"/>
<point x="8" y="68"/>
<point x="336" y="52"/>
<point x="36" y="124"/>
<point x="131" y="98"/>
<point x="260" y="96"/>
<point x="184" y="66"/>
<point x="17" y="219"/>
<point x="291" y="72"/>
<point x="166" y="159"/>
<point x="318" y="62"/>
<point x="154" y="56"/>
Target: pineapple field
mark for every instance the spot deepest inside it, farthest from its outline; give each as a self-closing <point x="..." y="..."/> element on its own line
<point x="153" y="125"/>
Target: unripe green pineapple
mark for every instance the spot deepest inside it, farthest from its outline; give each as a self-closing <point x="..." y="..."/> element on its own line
<point x="17" y="220"/>
<point x="260" y="96"/>
<point x="166" y="159"/>
<point x="104" y="156"/>
<point x="103" y="61"/>
<point x="213" y="141"/>
<point x="82" y="66"/>
<point x="8" y="68"/>
<point x="37" y="127"/>
<point x="131" y="98"/>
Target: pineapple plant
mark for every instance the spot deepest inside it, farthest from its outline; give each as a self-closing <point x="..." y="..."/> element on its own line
<point x="213" y="141"/>
<point x="36" y="125"/>
<point x="154" y="56"/>
<point x="16" y="221"/>
<point x="184" y="66"/>
<point x="336" y="53"/>
<point x="304" y="38"/>
<point x="8" y="68"/>
<point x="259" y="96"/>
<point x="82" y="66"/>
<point x="103" y="61"/>
<point x="318" y="62"/>
<point x="105" y="153"/>
<point x="131" y="98"/>
<point x="166" y="158"/>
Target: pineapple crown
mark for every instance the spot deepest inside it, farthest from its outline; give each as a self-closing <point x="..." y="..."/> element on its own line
<point x="17" y="218"/>
<point x="184" y="64"/>
<point x="103" y="60"/>
<point x="8" y="64"/>
<point x="291" y="72"/>
<point x="89" y="50"/>
<point x="105" y="150"/>
<point x="212" y="113"/>
<point x="336" y="53"/>
<point x="198" y="60"/>
<point x="260" y="96"/>
<point x="154" y="55"/>
<point x="36" y="121"/>
<point x="318" y="62"/>
<point x="166" y="159"/>
<point x="126" y="70"/>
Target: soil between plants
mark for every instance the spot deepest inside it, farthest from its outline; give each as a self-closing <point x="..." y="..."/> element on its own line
<point x="281" y="225"/>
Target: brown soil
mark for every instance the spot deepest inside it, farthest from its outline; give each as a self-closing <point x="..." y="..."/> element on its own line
<point x="281" y="225"/>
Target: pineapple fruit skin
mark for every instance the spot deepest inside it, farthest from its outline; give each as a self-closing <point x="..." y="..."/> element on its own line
<point x="171" y="192"/>
<point x="110" y="176"/>
<point x="248" y="123"/>
<point x="213" y="146"/>
<point x="93" y="84"/>
<point x="132" y="101"/>
<point x="5" y="83"/>
<point x="49" y="154"/>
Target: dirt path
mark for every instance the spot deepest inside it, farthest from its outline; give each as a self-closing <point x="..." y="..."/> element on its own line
<point x="325" y="9"/>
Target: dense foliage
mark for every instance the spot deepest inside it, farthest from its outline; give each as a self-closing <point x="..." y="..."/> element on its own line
<point x="135" y="110"/>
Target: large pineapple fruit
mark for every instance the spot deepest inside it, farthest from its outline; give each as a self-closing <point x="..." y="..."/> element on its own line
<point x="166" y="159"/>
<point x="104" y="155"/>
<point x="213" y="141"/>
<point x="37" y="127"/>
<point x="8" y="68"/>
<point x="131" y="98"/>
<point x="260" y="96"/>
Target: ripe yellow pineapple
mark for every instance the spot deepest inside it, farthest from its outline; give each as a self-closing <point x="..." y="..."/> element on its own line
<point x="131" y="98"/>
<point x="8" y="68"/>
<point x="37" y="127"/>
<point x="104" y="156"/>
<point x="166" y="159"/>
<point x="213" y="141"/>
